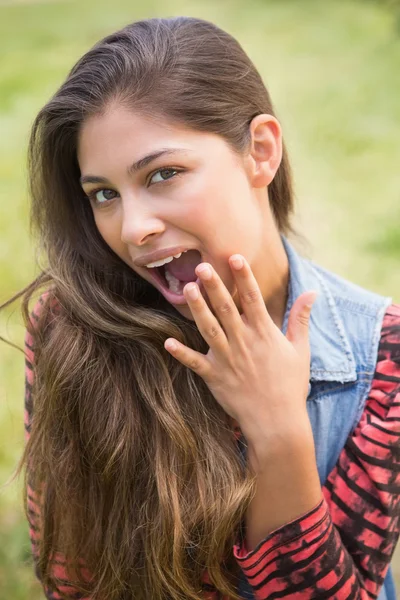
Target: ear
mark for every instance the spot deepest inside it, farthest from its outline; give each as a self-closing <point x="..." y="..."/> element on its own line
<point x="265" y="152"/>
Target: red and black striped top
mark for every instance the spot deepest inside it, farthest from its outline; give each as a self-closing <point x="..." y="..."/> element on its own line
<point x="342" y="548"/>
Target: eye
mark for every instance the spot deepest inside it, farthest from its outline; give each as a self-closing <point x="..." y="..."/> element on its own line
<point x="162" y="175"/>
<point x="102" y="196"/>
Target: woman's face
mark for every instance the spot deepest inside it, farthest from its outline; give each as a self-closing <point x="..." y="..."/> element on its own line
<point x="157" y="186"/>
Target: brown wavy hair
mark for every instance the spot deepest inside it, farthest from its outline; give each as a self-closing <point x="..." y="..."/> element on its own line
<point x="139" y="469"/>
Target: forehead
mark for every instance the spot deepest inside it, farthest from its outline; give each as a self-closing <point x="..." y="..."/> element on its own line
<point x="119" y="134"/>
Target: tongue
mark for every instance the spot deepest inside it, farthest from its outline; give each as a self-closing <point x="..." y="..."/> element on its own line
<point x="183" y="267"/>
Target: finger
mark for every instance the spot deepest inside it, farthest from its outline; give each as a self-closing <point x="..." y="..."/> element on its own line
<point x="299" y="319"/>
<point x="252" y="302"/>
<point x="195" y="361"/>
<point x="206" y="322"/>
<point x="220" y="299"/>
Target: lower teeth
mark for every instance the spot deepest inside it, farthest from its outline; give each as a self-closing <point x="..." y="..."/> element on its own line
<point x="174" y="284"/>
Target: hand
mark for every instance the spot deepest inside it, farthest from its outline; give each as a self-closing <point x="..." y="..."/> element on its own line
<point x="259" y="376"/>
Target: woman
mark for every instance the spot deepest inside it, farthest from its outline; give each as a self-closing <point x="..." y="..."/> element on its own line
<point x="192" y="432"/>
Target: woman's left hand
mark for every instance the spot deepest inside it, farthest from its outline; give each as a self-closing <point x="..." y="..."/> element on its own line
<point x="258" y="375"/>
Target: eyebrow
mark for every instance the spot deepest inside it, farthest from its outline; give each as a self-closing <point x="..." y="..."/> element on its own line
<point x="136" y="166"/>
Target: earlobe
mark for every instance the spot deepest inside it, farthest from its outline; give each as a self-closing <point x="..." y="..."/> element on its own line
<point x="265" y="150"/>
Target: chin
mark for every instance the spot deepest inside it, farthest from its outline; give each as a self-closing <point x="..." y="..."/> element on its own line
<point x="185" y="311"/>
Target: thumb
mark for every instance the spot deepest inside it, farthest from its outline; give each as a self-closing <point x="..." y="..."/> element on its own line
<point x="299" y="317"/>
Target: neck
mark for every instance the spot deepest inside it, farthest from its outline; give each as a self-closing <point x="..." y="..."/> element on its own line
<point x="273" y="278"/>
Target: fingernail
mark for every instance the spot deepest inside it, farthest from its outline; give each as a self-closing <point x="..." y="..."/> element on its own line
<point x="170" y="345"/>
<point x="192" y="292"/>
<point x="237" y="261"/>
<point x="204" y="271"/>
<point x="311" y="301"/>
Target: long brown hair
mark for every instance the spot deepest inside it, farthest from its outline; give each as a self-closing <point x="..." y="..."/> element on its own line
<point x="139" y="469"/>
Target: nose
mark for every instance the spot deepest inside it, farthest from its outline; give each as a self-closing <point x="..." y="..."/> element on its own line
<point x="139" y="225"/>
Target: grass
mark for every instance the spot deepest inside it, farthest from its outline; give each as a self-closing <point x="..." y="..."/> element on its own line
<point x="332" y="69"/>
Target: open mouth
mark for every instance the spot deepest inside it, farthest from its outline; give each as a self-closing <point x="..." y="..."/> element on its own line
<point x="173" y="284"/>
<point x="171" y="279"/>
<point x="173" y="292"/>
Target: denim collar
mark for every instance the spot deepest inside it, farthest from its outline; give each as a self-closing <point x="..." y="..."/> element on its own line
<point x="331" y="356"/>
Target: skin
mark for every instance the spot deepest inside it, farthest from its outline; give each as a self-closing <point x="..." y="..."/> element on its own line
<point x="219" y="205"/>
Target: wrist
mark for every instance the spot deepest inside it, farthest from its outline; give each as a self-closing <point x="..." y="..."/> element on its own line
<point x="286" y="474"/>
<point x="277" y="439"/>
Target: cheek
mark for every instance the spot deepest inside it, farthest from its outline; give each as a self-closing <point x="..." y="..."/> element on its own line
<point x="109" y="228"/>
<point x="203" y="204"/>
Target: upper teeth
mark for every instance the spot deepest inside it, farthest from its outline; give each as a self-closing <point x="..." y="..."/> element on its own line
<point x="159" y="263"/>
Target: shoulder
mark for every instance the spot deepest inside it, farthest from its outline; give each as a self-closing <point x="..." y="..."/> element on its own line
<point x="383" y="396"/>
<point x="379" y="429"/>
<point x="45" y="305"/>
<point x="388" y="358"/>
<point x="44" y="309"/>
<point x="350" y="298"/>
<point x="391" y="323"/>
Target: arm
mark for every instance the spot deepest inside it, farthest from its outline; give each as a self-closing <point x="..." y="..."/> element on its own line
<point x="342" y="547"/>
<point x="287" y="479"/>
<point x="33" y="497"/>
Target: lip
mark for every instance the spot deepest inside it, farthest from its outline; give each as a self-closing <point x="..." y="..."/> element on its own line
<point x="144" y="260"/>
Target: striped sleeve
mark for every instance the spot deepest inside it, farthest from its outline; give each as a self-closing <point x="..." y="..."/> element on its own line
<point x="343" y="547"/>
<point x="61" y="583"/>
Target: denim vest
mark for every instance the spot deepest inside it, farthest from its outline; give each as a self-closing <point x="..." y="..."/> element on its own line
<point x="345" y="327"/>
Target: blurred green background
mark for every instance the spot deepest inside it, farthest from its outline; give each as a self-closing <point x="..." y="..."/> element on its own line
<point x="333" y="71"/>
